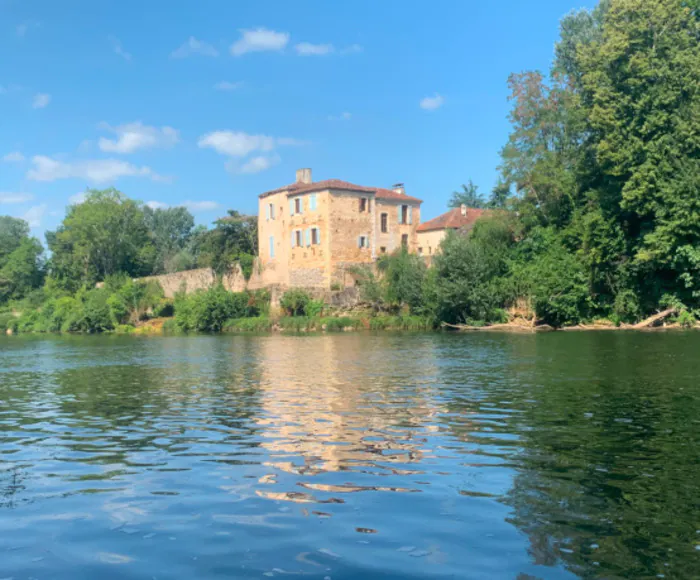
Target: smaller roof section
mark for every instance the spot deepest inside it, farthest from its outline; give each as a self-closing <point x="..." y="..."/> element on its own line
<point x="458" y="218"/>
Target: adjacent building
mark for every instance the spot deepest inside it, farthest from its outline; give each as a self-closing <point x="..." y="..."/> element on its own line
<point x="311" y="234"/>
<point x="431" y="233"/>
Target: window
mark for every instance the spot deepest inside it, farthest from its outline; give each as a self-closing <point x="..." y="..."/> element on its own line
<point x="404" y="241"/>
<point x="363" y="204"/>
<point x="385" y="223"/>
<point x="404" y="214"/>
<point x="297" y="238"/>
<point x="363" y="242"/>
<point x="312" y="202"/>
<point x="420" y="251"/>
<point x="298" y="205"/>
<point x="315" y="236"/>
<point x="272" y="246"/>
<point x="382" y="250"/>
<point x="271" y="209"/>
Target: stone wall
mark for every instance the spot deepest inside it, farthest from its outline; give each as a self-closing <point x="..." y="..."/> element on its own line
<point x="200" y="279"/>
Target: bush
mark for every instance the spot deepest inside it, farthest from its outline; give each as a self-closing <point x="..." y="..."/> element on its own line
<point x="208" y="310"/>
<point x="170" y="326"/>
<point x="686" y="319"/>
<point x="7" y="320"/>
<point x="626" y="307"/>
<point x="401" y="323"/>
<point x="295" y="302"/>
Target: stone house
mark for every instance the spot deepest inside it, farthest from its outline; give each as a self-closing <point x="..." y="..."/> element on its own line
<point x="431" y="233"/>
<point x="310" y="233"/>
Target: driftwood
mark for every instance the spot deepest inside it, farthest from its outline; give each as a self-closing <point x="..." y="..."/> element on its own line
<point x="652" y="320"/>
<point x="509" y="326"/>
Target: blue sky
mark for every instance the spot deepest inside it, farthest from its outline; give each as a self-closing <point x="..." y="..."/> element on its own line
<point x="208" y="104"/>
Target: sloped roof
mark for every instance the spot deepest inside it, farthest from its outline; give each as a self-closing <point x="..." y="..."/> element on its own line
<point x="380" y="193"/>
<point x="453" y="220"/>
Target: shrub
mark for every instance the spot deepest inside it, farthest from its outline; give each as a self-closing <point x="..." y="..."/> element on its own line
<point x="626" y="307"/>
<point x="295" y="302"/>
<point x="315" y="308"/>
<point x="7" y="320"/>
<point x="336" y="286"/>
<point x="170" y="326"/>
<point x="124" y="329"/>
<point x="686" y="319"/>
<point x="296" y="323"/>
<point x="208" y="310"/>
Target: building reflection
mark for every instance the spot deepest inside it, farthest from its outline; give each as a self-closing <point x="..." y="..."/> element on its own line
<point x="330" y="404"/>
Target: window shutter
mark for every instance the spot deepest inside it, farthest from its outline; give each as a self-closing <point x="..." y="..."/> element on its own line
<point x="308" y="236"/>
<point x="312" y="202"/>
<point x="293" y="237"/>
<point x="272" y="246"/>
<point x="399" y="214"/>
<point x="267" y="211"/>
<point x="410" y="214"/>
<point x="291" y="207"/>
<point x="318" y="236"/>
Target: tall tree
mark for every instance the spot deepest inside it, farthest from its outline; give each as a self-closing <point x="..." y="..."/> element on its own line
<point x="171" y="229"/>
<point x="12" y="232"/>
<point x="234" y="238"/>
<point x="104" y="235"/>
<point x="469" y="196"/>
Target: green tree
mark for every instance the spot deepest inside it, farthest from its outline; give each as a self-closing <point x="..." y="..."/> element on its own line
<point x="234" y="238"/>
<point x="23" y="270"/>
<point x="469" y="196"/>
<point x="12" y="232"/>
<point x="105" y="234"/>
<point x="170" y="229"/>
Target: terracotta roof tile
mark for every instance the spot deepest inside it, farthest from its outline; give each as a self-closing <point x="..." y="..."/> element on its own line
<point x="380" y="193"/>
<point x="453" y="220"/>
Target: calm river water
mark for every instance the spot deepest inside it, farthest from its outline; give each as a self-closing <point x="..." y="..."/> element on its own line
<point x="351" y="456"/>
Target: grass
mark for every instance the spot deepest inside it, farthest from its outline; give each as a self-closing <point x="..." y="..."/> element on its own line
<point x="253" y="324"/>
<point x="400" y="323"/>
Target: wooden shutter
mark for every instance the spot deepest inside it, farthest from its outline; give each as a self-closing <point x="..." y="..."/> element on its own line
<point x="399" y="214"/>
<point x="410" y="214"/>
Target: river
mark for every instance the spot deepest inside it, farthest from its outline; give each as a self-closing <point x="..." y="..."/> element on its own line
<point x="356" y="455"/>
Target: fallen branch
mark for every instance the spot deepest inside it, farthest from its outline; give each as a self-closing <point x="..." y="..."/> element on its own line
<point x="652" y="320"/>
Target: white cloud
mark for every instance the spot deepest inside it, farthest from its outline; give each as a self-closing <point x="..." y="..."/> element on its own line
<point x="157" y="205"/>
<point x="228" y="86"/>
<point x="118" y="49"/>
<point x="7" y="197"/>
<point x="134" y="136"/>
<point x="34" y="215"/>
<point x="308" y="49"/>
<point x="432" y="103"/>
<point x="13" y="157"/>
<point x="258" y="40"/>
<point x="345" y="116"/>
<point x="236" y="143"/>
<point x="197" y="206"/>
<point x="77" y="199"/>
<point x="194" y="46"/>
<point x="41" y="100"/>
<point x="254" y="164"/>
<point x="352" y="49"/>
<point x="92" y="170"/>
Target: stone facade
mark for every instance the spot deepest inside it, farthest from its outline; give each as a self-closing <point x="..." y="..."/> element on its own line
<point x="200" y="279"/>
<point x="312" y="234"/>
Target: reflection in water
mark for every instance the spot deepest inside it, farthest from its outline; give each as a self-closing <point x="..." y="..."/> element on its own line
<point x="391" y="456"/>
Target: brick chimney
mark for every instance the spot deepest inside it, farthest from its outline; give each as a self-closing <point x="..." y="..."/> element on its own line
<point x="304" y="176"/>
<point x="399" y="188"/>
<point x="463" y="210"/>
